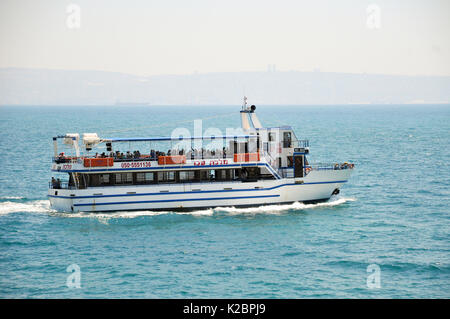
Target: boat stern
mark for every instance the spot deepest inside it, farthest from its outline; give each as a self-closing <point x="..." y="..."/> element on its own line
<point x="60" y="201"/>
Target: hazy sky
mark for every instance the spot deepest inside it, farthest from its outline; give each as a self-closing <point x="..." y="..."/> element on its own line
<point x="185" y="36"/>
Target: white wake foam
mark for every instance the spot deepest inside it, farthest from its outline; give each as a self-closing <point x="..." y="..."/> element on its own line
<point x="11" y="197"/>
<point x="266" y="209"/>
<point x="43" y="206"/>
<point x="277" y="209"/>
<point x="134" y="214"/>
<point x="37" y="206"/>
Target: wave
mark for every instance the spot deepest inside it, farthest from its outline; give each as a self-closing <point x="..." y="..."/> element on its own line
<point x="277" y="209"/>
<point x="134" y="214"/>
<point x="36" y="206"/>
<point x="43" y="206"/>
<point x="392" y="265"/>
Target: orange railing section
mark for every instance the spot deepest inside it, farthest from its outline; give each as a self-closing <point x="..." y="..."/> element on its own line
<point x="98" y="162"/>
<point x="246" y="157"/>
<point x="172" y="159"/>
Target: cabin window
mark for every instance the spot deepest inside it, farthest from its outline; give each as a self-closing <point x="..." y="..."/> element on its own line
<point x="224" y="174"/>
<point x="201" y="175"/>
<point x="168" y="176"/>
<point x="104" y="179"/>
<point x="144" y="177"/>
<point x="290" y="161"/>
<point x="204" y="175"/>
<point x="299" y="166"/>
<point x="252" y="147"/>
<point x="253" y="172"/>
<point x="124" y="178"/>
<point x="187" y="176"/>
<point x="271" y="137"/>
<point x="82" y="180"/>
<point x="287" y="139"/>
<point x="94" y="180"/>
<point x="71" y="183"/>
<point x="221" y="174"/>
<point x="211" y="174"/>
<point x="149" y="177"/>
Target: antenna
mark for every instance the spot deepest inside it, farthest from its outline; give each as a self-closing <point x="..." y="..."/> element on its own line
<point x="244" y="105"/>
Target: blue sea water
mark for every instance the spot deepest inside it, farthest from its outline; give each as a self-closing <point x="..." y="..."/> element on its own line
<point x="393" y="212"/>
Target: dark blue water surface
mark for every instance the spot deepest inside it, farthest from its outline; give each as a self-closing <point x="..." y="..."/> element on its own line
<point x="393" y="212"/>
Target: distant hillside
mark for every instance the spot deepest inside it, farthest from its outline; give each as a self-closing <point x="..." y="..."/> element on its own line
<point x="63" y="87"/>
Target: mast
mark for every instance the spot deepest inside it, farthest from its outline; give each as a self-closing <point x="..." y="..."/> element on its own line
<point x="244" y="117"/>
<point x="248" y="116"/>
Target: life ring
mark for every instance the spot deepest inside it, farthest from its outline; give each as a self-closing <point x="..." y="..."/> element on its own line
<point x="308" y="169"/>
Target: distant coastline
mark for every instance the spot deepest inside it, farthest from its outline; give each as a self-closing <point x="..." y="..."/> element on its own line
<point x="67" y="87"/>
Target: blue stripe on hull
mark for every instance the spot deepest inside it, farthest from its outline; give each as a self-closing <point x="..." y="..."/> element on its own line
<point x="176" y="200"/>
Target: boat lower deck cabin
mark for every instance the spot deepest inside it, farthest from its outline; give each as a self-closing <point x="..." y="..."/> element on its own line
<point x="85" y="180"/>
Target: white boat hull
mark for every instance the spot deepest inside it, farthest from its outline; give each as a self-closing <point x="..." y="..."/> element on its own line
<point x="316" y="186"/>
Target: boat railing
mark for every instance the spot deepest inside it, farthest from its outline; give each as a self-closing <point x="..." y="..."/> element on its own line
<point x="286" y="172"/>
<point x="270" y="159"/>
<point x="296" y="143"/>
<point x="302" y="143"/>
<point x="189" y="157"/>
<point x="329" y="166"/>
<point x="144" y="157"/>
<point x="67" y="159"/>
<point x="60" y="185"/>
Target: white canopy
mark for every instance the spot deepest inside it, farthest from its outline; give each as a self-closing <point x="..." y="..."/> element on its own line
<point x="91" y="139"/>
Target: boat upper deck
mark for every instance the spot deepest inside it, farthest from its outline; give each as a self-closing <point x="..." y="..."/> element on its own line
<point x="235" y="150"/>
<point x="258" y="154"/>
<point x="152" y="160"/>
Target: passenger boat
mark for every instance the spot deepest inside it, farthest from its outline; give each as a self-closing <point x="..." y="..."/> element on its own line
<point x="259" y="166"/>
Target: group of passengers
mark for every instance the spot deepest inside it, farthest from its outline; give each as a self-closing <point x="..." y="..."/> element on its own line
<point x="56" y="183"/>
<point x="205" y="153"/>
<point x="102" y="155"/>
<point x="343" y="166"/>
<point x="61" y="158"/>
<point x="127" y="155"/>
<point x="154" y="154"/>
<point x="192" y="154"/>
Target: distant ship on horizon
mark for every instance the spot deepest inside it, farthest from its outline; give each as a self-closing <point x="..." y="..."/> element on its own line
<point x="128" y="103"/>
